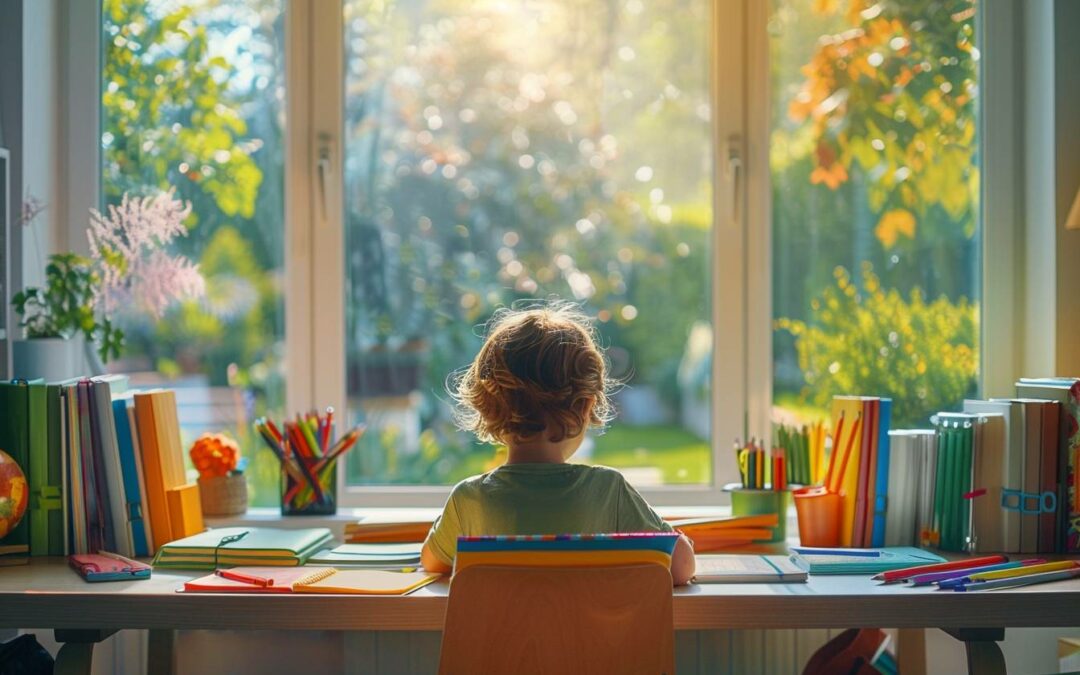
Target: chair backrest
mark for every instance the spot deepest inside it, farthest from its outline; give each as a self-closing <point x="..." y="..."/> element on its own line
<point x="544" y="620"/>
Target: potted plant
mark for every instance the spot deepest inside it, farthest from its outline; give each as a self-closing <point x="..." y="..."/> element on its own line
<point x="128" y="269"/>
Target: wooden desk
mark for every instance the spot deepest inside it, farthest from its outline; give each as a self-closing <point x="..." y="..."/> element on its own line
<point x="46" y="594"/>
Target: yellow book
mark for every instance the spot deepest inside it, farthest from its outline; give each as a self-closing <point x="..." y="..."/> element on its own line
<point x="185" y="511"/>
<point x="363" y="582"/>
<point x="851" y="407"/>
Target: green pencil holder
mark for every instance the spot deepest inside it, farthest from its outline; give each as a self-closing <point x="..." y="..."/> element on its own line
<point x="749" y="502"/>
<point x="298" y="499"/>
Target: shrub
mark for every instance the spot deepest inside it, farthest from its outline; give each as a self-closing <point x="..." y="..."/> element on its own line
<point x="872" y="341"/>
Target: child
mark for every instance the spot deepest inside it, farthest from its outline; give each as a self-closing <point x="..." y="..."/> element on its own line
<point x="537" y="384"/>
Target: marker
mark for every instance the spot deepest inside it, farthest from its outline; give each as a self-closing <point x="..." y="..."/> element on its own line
<point x="967" y="563"/>
<point x="937" y="577"/>
<point x="1016" y="582"/>
<point x="261" y="582"/>
<point x="1008" y="574"/>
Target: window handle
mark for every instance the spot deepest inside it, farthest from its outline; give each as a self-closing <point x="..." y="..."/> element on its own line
<point x="733" y="174"/>
<point x="323" y="168"/>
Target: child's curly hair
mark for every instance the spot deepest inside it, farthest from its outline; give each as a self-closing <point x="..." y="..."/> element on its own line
<point x="539" y="371"/>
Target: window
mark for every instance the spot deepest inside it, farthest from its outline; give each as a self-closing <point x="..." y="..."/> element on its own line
<point x="192" y="100"/>
<point x="492" y="152"/>
<point x="874" y="156"/>
<point x="501" y="151"/>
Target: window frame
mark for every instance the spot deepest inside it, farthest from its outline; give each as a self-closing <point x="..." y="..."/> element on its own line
<point x="741" y="280"/>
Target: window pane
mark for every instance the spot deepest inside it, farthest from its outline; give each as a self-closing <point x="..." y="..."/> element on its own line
<point x="874" y="155"/>
<point x="193" y="100"/>
<point x="498" y="151"/>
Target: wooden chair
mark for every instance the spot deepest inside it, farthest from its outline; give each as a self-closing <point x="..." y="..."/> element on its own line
<point x="546" y="620"/>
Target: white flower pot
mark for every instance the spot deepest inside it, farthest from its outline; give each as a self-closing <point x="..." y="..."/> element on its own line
<point x="53" y="359"/>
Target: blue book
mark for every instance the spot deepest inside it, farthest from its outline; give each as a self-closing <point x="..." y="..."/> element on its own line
<point x="129" y="470"/>
<point x="881" y="482"/>
<point x="860" y="560"/>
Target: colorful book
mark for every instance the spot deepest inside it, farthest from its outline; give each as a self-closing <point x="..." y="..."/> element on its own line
<point x="185" y="510"/>
<point x="1011" y="459"/>
<point x="847" y="456"/>
<point x="153" y="470"/>
<point x="103" y="427"/>
<point x="907" y="459"/>
<point x="54" y="493"/>
<point x="38" y="474"/>
<point x="1066" y="391"/>
<point x="879" y="499"/>
<point x="133" y="511"/>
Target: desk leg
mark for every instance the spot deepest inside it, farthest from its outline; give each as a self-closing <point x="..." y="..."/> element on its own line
<point x="160" y="656"/>
<point x="911" y="650"/>
<point x="983" y="653"/>
<point x="76" y="655"/>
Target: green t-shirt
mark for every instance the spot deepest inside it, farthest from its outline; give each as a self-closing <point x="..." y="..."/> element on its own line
<point x="541" y="499"/>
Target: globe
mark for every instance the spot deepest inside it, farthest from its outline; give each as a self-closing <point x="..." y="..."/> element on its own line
<point x="14" y="494"/>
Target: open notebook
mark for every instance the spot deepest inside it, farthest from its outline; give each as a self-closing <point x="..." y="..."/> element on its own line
<point x="723" y="569"/>
<point x="315" y="580"/>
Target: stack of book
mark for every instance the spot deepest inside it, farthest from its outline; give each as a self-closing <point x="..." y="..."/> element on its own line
<point x="385" y="531"/>
<point x="727" y="532"/>
<point x="859" y="467"/>
<point x="104" y="465"/>
<point x="1001" y="476"/>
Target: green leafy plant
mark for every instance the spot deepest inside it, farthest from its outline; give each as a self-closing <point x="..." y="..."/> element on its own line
<point x="64" y="307"/>
<point x="873" y="341"/>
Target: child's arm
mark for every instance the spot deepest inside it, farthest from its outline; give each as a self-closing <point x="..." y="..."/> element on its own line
<point x="683" y="565"/>
<point x="432" y="562"/>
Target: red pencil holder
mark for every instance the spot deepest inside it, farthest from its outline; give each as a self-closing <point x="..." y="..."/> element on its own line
<point x="298" y="498"/>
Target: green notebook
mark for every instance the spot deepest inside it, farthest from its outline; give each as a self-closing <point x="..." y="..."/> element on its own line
<point x="229" y="546"/>
<point x="860" y="560"/>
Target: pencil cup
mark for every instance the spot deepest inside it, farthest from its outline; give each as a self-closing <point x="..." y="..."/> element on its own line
<point x="750" y="502"/>
<point x="299" y="498"/>
<point x="818" y="511"/>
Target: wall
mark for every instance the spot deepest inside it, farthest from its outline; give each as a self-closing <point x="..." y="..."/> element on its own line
<point x="1066" y="127"/>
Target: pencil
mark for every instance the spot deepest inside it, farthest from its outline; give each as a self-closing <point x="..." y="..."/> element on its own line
<point x="847" y="451"/>
<point x="835" y="450"/>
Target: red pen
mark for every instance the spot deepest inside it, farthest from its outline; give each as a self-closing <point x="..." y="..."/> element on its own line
<point x="261" y="582"/>
<point x="907" y="572"/>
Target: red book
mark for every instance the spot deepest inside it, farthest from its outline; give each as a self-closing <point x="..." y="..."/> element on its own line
<point x="858" y="532"/>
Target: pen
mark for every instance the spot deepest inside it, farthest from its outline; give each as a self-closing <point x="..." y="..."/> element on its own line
<point x="967" y="563"/>
<point x="938" y="577"/>
<point x="261" y="582"/>
<point x="1009" y="574"/>
<point x="1015" y="582"/>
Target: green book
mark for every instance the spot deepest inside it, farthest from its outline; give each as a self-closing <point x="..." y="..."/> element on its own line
<point x="15" y="441"/>
<point x="38" y="434"/>
<point x="53" y="496"/>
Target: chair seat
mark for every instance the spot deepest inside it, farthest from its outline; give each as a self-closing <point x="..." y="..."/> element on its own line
<point x="551" y="620"/>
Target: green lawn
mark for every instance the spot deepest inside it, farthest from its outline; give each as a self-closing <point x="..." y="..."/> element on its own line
<point x="681" y="456"/>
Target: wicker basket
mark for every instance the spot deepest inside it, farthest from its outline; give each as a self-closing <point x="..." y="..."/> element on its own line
<point x="223" y="495"/>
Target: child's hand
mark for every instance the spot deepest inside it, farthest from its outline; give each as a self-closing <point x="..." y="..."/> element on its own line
<point x="683" y="564"/>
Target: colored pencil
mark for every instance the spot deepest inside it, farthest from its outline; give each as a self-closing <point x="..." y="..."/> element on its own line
<point x="1024" y="580"/>
<point x="967" y="563"/>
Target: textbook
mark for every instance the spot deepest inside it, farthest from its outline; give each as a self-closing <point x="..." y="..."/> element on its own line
<point x="311" y="580"/>
<point x="566" y="550"/>
<point x="723" y="569"/>
<point x="860" y="560"/>
<point x="371" y="530"/>
<point x="233" y="546"/>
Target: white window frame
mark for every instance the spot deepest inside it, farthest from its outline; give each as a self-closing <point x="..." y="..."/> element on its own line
<point x="742" y="277"/>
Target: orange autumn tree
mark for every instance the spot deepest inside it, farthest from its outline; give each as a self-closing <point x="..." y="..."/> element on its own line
<point x="894" y="95"/>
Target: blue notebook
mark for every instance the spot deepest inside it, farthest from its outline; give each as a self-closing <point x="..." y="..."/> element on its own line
<point x="125" y="438"/>
<point x="860" y="560"/>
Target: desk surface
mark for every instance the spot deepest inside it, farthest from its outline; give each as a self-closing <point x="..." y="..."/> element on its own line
<point x="47" y="594"/>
